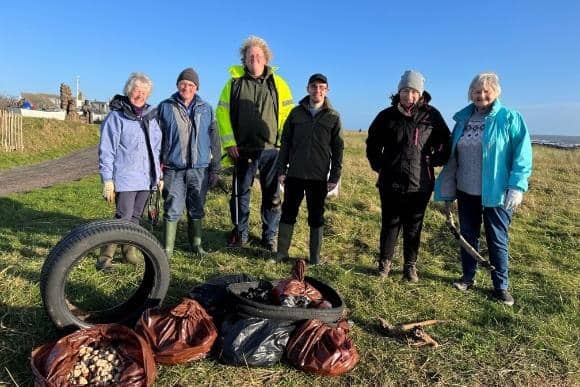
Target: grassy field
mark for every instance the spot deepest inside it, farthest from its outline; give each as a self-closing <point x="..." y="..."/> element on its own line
<point x="536" y="342"/>
<point x="49" y="139"/>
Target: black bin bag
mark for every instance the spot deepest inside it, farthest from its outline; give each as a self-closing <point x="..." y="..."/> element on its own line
<point x="254" y="342"/>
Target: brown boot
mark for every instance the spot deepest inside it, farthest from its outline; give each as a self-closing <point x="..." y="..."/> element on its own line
<point x="410" y="272"/>
<point x="384" y="267"/>
<point x="105" y="260"/>
<point x="130" y="254"/>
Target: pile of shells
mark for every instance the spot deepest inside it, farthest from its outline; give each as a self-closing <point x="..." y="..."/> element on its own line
<point x="97" y="365"/>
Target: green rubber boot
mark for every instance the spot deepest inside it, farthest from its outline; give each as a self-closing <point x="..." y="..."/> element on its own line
<point x="105" y="260"/>
<point x="170" y="232"/>
<point x="130" y="254"/>
<point x="194" y="232"/>
<point x="315" y="244"/>
<point x="285" y="232"/>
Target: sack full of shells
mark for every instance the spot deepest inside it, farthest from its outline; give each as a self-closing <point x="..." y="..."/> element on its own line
<point x="102" y="355"/>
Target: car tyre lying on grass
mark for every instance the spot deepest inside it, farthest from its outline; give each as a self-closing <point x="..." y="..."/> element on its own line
<point x="75" y="247"/>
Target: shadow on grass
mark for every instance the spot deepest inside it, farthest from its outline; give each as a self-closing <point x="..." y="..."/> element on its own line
<point x="29" y="225"/>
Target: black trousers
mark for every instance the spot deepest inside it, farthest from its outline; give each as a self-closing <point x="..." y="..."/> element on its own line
<point x="402" y="210"/>
<point x="294" y="190"/>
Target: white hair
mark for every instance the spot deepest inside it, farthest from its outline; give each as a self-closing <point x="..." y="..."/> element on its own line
<point x="485" y="79"/>
<point x="138" y="79"/>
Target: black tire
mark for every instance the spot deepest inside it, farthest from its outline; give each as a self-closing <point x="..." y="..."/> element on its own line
<point x="75" y="246"/>
<point x="256" y="309"/>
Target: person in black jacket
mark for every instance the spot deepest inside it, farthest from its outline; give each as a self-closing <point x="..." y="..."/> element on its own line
<point x="309" y="163"/>
<point x="405" y="141"/>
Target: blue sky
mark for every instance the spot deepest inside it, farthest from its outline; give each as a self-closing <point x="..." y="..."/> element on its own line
<point x="363" y="47"/>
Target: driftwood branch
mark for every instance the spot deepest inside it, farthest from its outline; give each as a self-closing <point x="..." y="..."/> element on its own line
<point x="413" y="333"/>
<point x="463" y="243"/>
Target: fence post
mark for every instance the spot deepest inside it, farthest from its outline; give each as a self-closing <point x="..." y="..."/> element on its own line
<point x="11" y="131"/>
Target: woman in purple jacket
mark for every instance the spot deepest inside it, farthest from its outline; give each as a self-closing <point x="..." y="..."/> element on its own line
<point x="129" y="158"/>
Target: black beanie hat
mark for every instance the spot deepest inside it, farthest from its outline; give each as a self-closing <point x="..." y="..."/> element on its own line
<point x="188" y="74"/>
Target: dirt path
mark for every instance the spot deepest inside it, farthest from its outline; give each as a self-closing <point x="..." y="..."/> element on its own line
<point x="48" y="173"/>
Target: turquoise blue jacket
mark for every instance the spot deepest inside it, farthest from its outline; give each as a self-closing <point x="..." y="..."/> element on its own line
<point x="507" y="156"/>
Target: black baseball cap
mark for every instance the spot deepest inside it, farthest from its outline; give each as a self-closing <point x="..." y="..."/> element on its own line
<point x="317" y="78"/>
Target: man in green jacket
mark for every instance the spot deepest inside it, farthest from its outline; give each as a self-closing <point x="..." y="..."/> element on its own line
<point x="251" y="112"/>
<point x="310" y="162"/>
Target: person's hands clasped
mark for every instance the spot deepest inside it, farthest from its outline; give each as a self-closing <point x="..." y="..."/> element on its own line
<point x="109" y="191"/>
<point x="160" y="186"/>
<point x="513" y="198"/>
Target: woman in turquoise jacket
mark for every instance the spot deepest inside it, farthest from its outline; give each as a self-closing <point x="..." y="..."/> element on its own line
<point x="488" y="171"/>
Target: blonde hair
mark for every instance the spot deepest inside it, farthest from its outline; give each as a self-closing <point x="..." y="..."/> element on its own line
<point x="255" y="41"/>
<point x="485" y="79"/>
<point x="137" y="78"/>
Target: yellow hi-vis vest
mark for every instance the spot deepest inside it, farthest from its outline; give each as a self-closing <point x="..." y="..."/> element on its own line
<point x="285" y="105"/>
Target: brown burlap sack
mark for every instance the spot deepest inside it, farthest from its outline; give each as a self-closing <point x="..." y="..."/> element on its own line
<point x="296" y="286"/>
<point x="322" y="349"/>
<point x="179" y="334"/>
<point x="52" y="363"/>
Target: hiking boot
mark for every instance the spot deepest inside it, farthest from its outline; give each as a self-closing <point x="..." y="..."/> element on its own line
<point x="130" y="254"/>
<point x="385" y="267"/>
<point x="270" y="245"/>
<point x="463" y="285"/>
<point x="235" y="239"/>
<point x="503" y="296"/>
<point x="105" y="259"/>
<point x="410" y="273"/>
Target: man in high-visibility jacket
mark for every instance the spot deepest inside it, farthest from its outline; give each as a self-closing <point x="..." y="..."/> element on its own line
<point x="251" y="112"/>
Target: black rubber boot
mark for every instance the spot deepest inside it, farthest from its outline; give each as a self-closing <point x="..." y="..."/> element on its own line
<point x="285" y="232"/>
<point x="315" y="244"/>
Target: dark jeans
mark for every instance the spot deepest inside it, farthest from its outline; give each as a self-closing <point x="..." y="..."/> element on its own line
<point x="246" y="167"/>
<point x="496" y="221"/>
<point x="184" y="188"/>
<point x="294" y="190"/>
<point x="130" y="205"/>
<point x="405" y="210"/>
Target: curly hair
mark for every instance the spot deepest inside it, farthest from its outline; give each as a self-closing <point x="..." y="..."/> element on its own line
<point x="137" y="79"/>
<point x="255" y="41"/>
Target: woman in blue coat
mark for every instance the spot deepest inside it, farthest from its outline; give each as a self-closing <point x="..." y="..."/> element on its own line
<point x="129" y="157"/>
<point x="488" y="171"/>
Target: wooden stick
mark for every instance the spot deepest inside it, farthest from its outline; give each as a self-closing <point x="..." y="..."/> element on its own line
<point x="466" y="246"/>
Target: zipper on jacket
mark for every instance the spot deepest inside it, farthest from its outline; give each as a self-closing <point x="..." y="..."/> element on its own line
<point x="416" y="136"/>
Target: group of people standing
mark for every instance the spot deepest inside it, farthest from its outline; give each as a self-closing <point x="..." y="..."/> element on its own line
<point x="180" y="147"/>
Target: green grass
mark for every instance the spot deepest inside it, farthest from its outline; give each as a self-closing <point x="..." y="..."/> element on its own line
<point x="536" y="342"/>
<point x="49" y="139"/>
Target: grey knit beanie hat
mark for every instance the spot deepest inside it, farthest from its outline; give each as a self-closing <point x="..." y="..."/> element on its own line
<point x="412" y="79"/>
<point x="188" y="74"/>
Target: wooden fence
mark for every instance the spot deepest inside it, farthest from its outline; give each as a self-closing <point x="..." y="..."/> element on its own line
<point x="11" y="138"/>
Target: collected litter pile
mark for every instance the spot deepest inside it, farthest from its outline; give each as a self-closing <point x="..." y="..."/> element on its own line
<point x="238" y="320"/>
